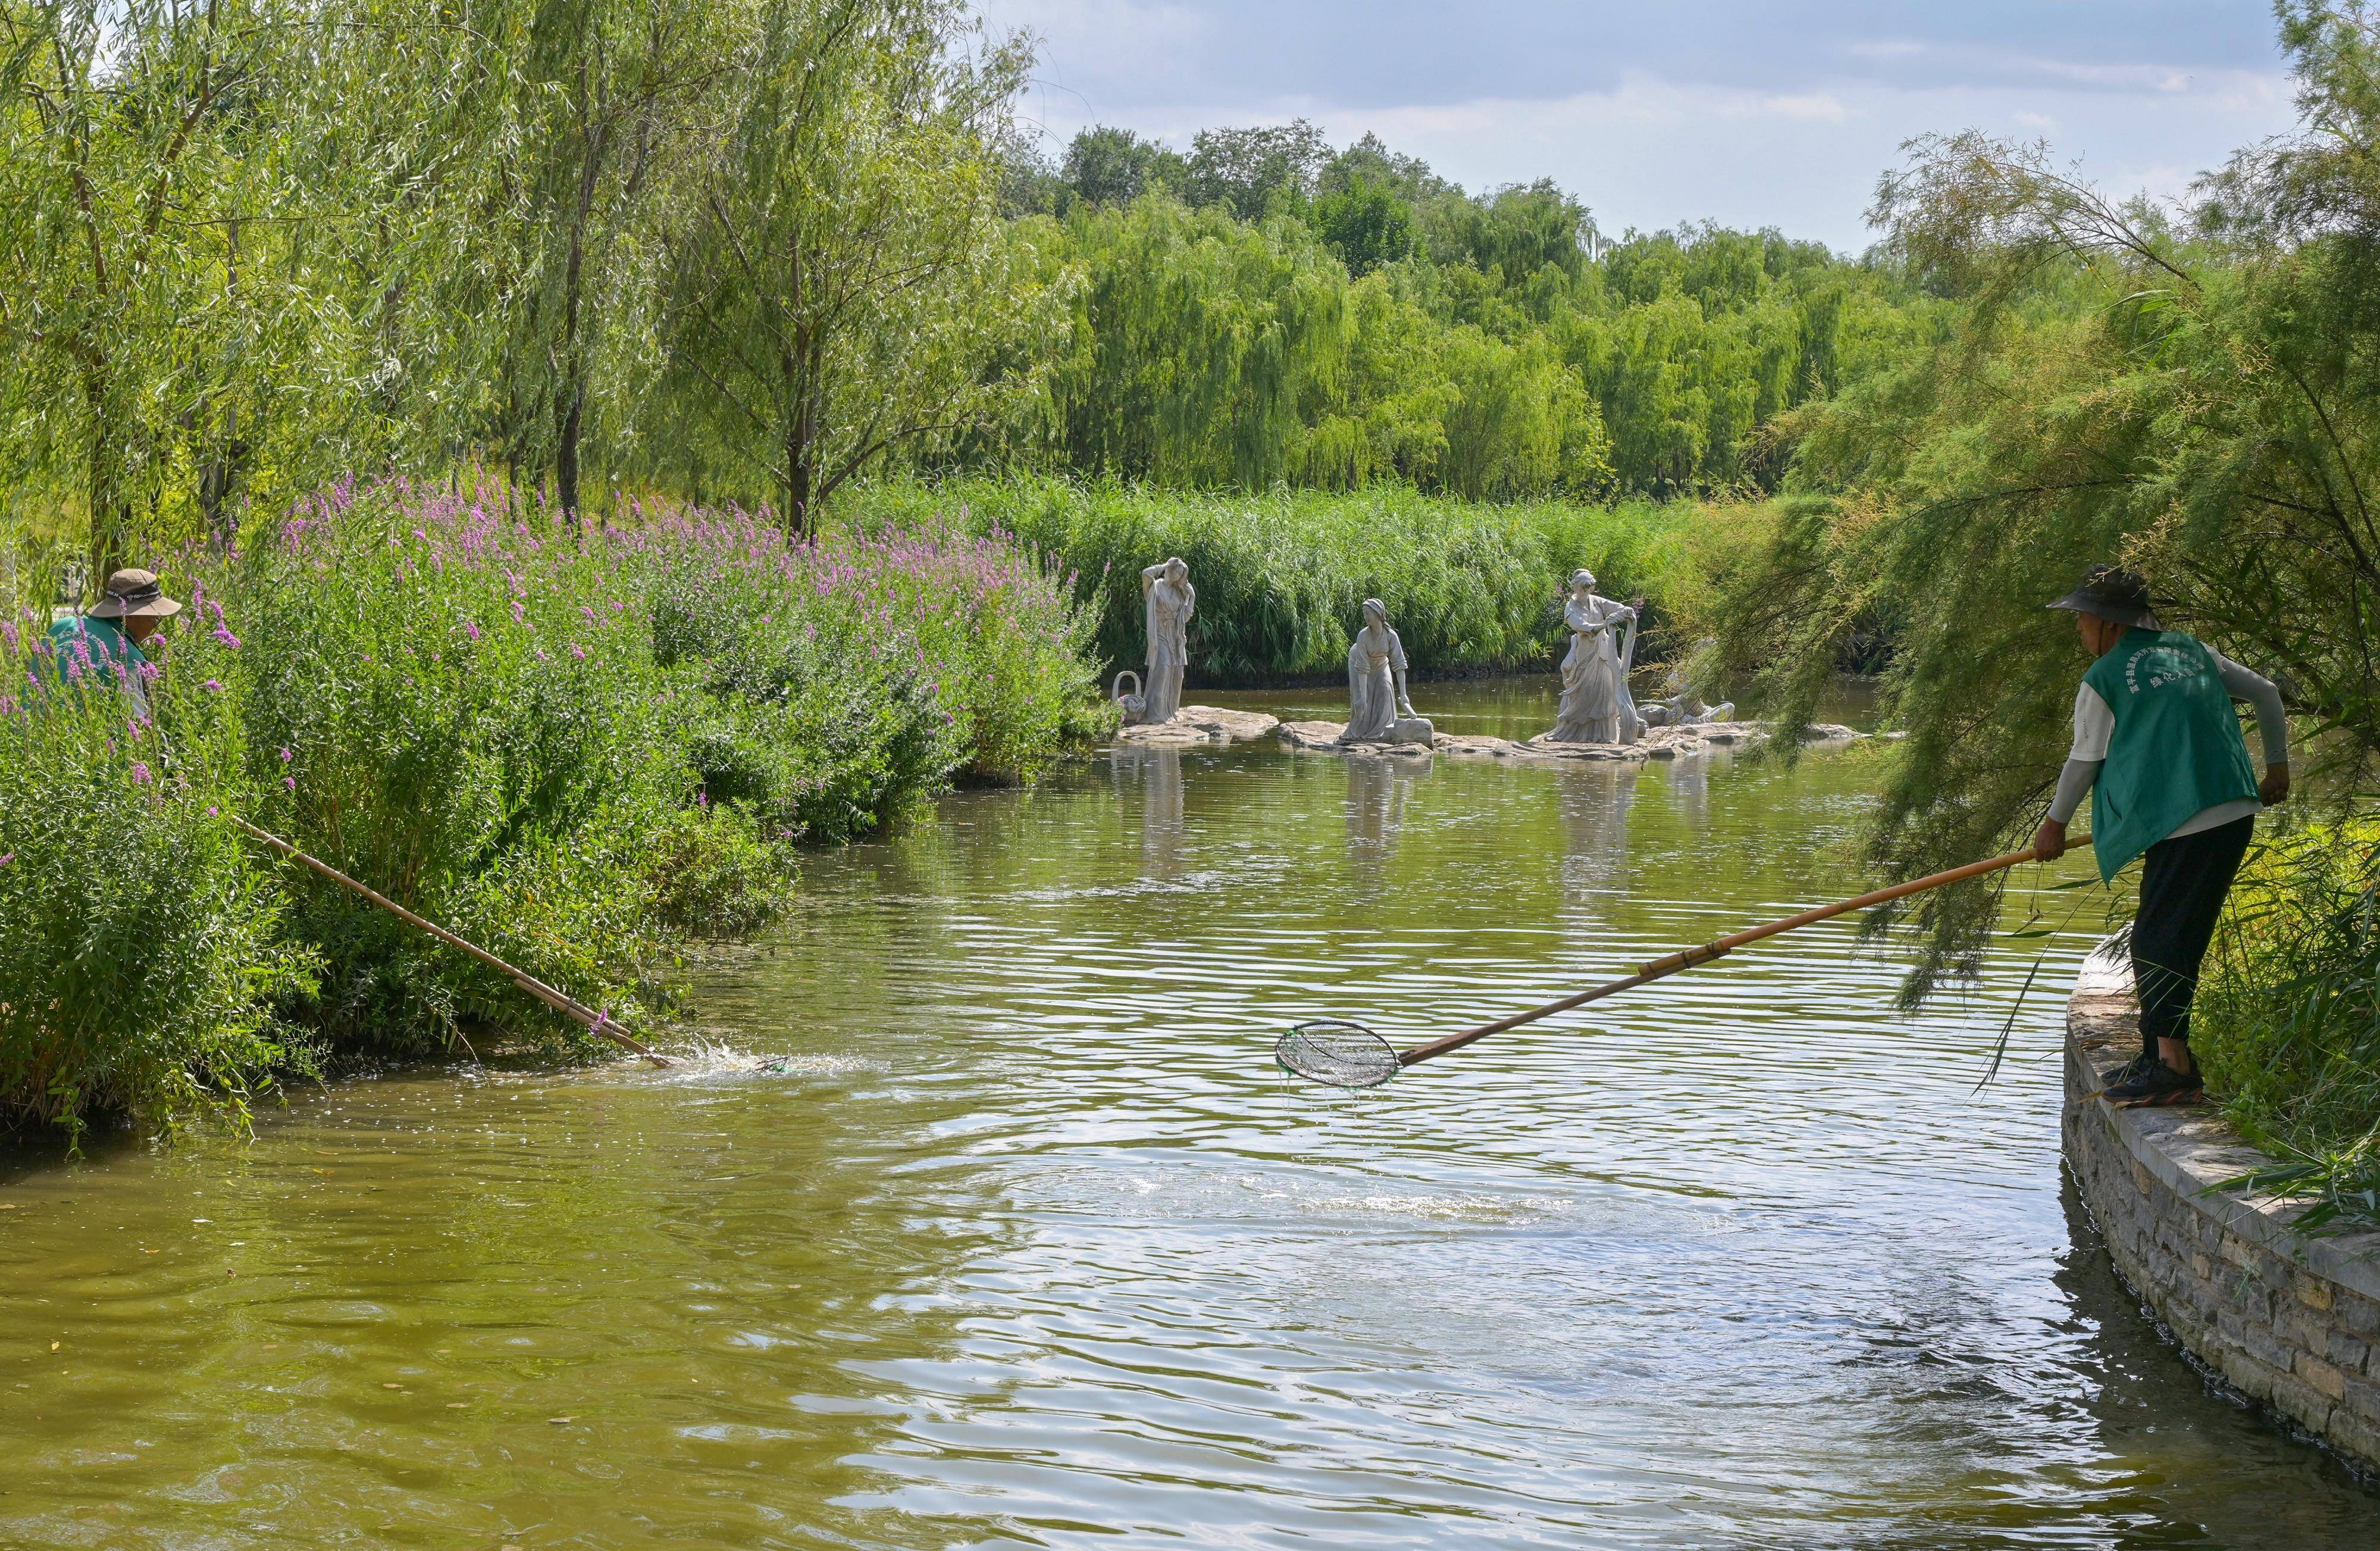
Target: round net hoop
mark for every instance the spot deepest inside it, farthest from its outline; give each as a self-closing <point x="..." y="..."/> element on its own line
<point x="1341" y="1054"/>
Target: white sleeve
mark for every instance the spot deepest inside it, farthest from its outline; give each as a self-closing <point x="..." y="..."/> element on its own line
<point x="2272" y="717"/>
<point x="2072" y="782"/>
<point x="2093" y="725"/>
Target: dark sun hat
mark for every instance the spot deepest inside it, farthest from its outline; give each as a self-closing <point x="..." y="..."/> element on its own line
<point x="2112" y="592"/>
<point x="134" y="594"/>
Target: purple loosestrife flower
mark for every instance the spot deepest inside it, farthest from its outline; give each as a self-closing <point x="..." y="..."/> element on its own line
<point x="7" y="857"/>
<point x="140" y="772"/>
<point x="289" y="781"/>
<point x="224" y="634"/>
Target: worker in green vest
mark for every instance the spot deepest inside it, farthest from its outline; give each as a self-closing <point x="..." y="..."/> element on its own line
<point x="107" y="642"/>
<point x="2155" y="737"/>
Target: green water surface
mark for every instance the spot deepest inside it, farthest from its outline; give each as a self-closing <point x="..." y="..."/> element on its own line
<point x="980" y="1218"/>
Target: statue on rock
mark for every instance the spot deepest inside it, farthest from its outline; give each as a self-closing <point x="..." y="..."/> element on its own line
<point x="1379" y="710"/>
<point x="1680" y="707"/>
<point x="1595" y="704"/>
<point x="1171" y="601"/>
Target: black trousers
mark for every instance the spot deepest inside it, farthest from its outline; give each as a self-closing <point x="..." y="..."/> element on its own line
<point x="2183" y="883"/>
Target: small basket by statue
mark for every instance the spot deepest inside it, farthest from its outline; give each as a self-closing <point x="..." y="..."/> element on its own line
<point x="1133" y="704"/>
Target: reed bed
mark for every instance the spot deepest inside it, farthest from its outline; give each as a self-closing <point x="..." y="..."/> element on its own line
<point x="1471" y="587"/>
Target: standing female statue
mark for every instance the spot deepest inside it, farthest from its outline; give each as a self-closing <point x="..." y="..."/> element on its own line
<point x="1596" y="707"/>
<point x="1376" y="678"/>
<point x="1171" y="601"/>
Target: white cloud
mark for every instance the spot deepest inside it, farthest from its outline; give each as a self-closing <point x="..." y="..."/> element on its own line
<point x="1736" y="111"/>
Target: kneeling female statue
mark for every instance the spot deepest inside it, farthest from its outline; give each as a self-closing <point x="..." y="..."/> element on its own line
<point x="1375" y="679"/>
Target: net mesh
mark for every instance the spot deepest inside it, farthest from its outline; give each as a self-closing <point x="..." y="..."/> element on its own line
<point x="1343" y="1055"/>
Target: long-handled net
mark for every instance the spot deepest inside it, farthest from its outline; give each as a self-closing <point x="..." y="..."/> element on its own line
<point x="1343" y="1053"/>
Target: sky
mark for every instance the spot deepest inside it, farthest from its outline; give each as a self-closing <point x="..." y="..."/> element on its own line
<point x="1663" y="112"/>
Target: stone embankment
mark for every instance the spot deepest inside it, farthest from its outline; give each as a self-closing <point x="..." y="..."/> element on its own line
<point x="2290" y="1321"/>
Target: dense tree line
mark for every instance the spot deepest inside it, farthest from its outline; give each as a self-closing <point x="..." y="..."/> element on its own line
<point x="1265" y="309"/>
<point x="747" y="250"/>
<point x="738" y="248"/>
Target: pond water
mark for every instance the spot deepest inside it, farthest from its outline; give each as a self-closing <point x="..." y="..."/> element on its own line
<point x="1027" y="1244"/>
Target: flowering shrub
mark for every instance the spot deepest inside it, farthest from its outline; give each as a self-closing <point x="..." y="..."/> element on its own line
<point x="142" y="960"/>
<point x="576" y="744"/>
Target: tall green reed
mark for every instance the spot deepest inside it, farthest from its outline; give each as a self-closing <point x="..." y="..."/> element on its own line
<point x="1281" y="577"/>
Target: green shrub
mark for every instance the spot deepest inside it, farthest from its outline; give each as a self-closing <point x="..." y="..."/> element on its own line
<point x="467" y="715"/>
<point x="2287" y="1021"/>
<point x="576" y="745"/>
<point x="142" y="949"/>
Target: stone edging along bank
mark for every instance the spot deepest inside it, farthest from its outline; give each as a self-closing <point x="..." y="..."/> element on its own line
<point x="1196" y="726"/>
<point x="2290" y="1321"/>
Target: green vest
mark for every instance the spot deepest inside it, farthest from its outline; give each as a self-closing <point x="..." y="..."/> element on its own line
<point x="2176" y="751"/>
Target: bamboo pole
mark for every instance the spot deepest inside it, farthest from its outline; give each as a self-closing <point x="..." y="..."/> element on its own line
<point x="598" y="1024"/>
<point x="1686" y="958"/>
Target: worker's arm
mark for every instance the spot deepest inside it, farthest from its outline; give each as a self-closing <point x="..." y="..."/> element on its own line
<point x="2272" y="723"/>
<point x="2093" y="725"/>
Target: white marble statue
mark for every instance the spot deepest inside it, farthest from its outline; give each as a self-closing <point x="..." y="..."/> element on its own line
<point x="1375" y="679"/>
<point x="1171" y="601"/>
<point x="1688" y="710"/>
<point x="1596" y="705"/>
<point x="1680" y="707"/>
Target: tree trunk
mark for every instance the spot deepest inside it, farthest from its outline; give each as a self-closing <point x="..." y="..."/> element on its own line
<point x="801" y="475"/>
<point x="104" y="493"/>
<point x="566" y="454"/>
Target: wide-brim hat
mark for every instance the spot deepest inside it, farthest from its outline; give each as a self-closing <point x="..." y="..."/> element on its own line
<point x="2112" y="592"/>
<point x="134" y="594"/>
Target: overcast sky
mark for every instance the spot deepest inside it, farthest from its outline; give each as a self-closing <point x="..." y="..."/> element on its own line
<point x="1661" y="111"/>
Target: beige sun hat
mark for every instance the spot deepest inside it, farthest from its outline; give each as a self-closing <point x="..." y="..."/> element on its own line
<point x="134" y="594"/>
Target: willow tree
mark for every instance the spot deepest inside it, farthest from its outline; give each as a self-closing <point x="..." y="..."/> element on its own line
<point x="1202" y="348"/>
<point x="845" y="286"/>
<point x="129" y="140"/>
<point x="230" y="229"/>
<point x="2205" y="406"/>
<point x="603" y="102"/>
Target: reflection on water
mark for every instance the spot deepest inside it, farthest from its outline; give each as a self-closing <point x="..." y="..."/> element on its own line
<point x="1029" y="1244"/>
